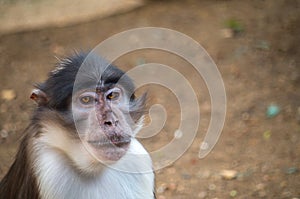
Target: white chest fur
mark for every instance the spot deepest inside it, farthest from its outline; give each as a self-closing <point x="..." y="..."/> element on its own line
<point x="58" y="180"/>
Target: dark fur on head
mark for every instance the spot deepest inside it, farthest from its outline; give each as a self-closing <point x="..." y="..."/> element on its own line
<point x="61" y="80"/>
<point x="86" y="70"/>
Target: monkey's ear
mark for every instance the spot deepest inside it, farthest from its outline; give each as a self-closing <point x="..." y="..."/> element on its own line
<point x="39" y="97"/>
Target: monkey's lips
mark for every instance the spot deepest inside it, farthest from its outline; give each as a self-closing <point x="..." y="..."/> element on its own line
<point x="110" y="148"/>
<point x="108" y="143"/>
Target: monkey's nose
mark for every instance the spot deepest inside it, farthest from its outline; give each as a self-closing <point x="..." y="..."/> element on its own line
<point x="108" y="119"/>
<point x="110" y="123"/>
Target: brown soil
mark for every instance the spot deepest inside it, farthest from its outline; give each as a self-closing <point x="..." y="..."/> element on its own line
<point x="259" y="66"/>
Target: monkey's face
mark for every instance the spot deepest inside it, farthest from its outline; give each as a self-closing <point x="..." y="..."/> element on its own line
<point x="92" y="100"/>
<point x="103" y="121"/>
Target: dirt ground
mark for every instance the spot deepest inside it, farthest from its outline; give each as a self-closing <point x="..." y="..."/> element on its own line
<point x="259" y="65"/>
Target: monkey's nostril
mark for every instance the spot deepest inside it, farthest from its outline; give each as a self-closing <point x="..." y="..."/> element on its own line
<point x="108" y="123"/>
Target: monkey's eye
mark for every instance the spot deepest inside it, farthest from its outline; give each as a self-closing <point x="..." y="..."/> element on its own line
<point x="87" y="100"/>
<point x="113" y="95"/>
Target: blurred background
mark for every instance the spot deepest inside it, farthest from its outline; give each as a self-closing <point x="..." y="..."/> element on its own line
<point x="255" y="44"/>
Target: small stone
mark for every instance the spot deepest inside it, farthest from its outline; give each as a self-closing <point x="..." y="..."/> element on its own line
<point x="202" y="195"/>
<point x="260" y="186"/>
<point x="162" y="188"/>
<point x="227" y="33"/>
<point x="233" y="193"/>
<point x="212" y="187"/>
<point x="263" y="45"/>
<point x="245" y="116"/>
<point x="291" y="170"/>
<point x="178" y="134"/>
<point x="267" y="134"/>
<point x="8" y="94"/>
<point x="193" y="161"/>
<point x="4" y="134"/>
<point x="204" y="146"/>
<point x="229" y="174"/>
<point x="205" y="174"/>
<point x="186" y="176"/>
<point x="272" y="111"/>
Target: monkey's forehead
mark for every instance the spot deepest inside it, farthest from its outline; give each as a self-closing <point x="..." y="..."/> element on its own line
<point x="95" y="87"/>
<point x="104" y="81"/>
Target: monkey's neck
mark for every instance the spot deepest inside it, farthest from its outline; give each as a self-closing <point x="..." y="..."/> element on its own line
<point x="58" y="179"/>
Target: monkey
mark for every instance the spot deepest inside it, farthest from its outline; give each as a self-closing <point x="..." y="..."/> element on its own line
<point x="80" y="143"/>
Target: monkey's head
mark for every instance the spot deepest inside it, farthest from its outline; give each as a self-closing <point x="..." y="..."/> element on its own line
<point x="95" y="105"/>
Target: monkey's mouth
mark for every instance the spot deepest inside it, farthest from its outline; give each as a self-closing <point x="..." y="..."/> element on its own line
<point x="117" y="141"/>
<point x="110" y="148"/>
